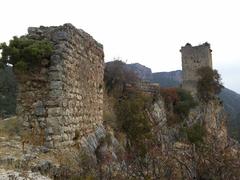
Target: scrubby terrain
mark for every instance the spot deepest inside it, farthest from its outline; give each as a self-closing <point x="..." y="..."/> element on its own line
<point x="119" y="126"/>
<point x="231" y="99"/>
<point x="161" y="135"/>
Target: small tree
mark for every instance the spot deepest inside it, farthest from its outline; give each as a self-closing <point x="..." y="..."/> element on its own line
<point x="117" y="75"/>
<point x="178" y="103"/>
<point x="209" y="83"/>
<point x="133" y="120"/>
<point x="24" y="53"/>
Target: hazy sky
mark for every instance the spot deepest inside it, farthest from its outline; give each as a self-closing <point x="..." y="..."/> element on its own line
<point x="150" y="32"/>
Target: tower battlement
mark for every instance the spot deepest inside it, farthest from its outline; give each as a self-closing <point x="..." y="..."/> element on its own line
<point x="193" y="58"/>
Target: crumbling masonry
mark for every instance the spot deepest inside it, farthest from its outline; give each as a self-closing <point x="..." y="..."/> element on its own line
<point x="62" y="103"/>
<point x="193" y="58"/>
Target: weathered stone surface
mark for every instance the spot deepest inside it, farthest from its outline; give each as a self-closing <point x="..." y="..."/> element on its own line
<point x="63" y="96"/>
<point x="61" y="35"/>
<point x="193" y="58"/>
<point x="91" y="142"/>
<point x="14" y="175"/>
<point x="39" y="108"/>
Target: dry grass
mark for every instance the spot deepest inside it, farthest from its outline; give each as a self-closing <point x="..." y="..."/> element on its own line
<point x="10" y="127"/>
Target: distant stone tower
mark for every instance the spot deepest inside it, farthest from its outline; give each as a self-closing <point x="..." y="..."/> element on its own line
<point x="193" y="58"/>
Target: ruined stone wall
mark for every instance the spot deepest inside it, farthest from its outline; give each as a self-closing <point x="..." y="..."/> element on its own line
<point x="62" y="102"/>
<point x="193" y="58"/>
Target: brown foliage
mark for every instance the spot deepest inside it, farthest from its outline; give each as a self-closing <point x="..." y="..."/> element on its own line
<point x="177" y="103"/>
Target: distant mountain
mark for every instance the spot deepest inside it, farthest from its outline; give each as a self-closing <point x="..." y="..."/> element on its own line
<point x="142" y="71"/>
<point x="231" y="99"/>
<point x="167" y="79"/>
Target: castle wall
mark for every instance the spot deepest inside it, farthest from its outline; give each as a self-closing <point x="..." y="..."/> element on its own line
<point x="62" y="102"/>
<point x="193" y="58"/>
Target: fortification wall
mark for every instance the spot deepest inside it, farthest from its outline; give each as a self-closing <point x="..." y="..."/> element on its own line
<point x="62" y="102"/>
<point x="193" y="58"/>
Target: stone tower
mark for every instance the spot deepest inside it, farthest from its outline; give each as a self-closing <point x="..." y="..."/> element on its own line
<point x="193" y="58"/>
<point x="61" y="103"/>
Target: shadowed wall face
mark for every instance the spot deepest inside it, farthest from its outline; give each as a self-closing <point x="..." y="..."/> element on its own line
<point x="193" y="58"/>
<point x="62" y="102"/>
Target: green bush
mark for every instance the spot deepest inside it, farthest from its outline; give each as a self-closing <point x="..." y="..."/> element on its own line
<point x="209" y="84"/>
<point x="133" y="120"/>
<point x="195" y="133"/>
<point x="25" y="54"/>
<point x="184" y="104"/>
<point x="178" y="103"/>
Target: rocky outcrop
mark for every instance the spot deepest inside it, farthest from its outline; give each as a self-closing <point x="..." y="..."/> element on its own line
<point x="213" y="117"/>
<point x="183" y="157"/>
<point x="231" y="99"/>
<point x="10" y="175"/>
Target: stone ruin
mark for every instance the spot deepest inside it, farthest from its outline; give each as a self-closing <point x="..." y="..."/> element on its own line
<point x="193" y="58"/>
<point x="144" y="87"/>
<point x="62" y="102"/>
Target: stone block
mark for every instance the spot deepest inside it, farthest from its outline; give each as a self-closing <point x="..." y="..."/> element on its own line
<point x="60" y="36"/>
<point x="56" y="85"/>
<point x="39" y="108"/>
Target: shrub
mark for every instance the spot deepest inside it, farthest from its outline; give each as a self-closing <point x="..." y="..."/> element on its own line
<point x="117" y="76"/>
<point x="25" y="54"/>
<point x="209" y="83"/>
<point x="184" y="104"/>
<point x="195" y="133"/>
<point x="109" y="118"/>
<point x="178" y="103"/>
<point x="170" y="97"/>
<point x="133" y="120"/>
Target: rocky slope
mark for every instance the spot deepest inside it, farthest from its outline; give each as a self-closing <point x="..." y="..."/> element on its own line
<point x="231" y="99"/>
<point x="166" y="79"/>
<point x="169" y="156"/>
<point x="169" y="153"/>
<point x="193" y="145"/>
<point x="186" y="158"/>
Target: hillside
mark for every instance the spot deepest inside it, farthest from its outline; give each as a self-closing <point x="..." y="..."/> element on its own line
<point x="230" y="98"/>
<point x="144" y="135"/>
<point x="166" y="79"/>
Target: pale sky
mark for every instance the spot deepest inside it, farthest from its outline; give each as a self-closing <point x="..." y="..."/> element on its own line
<point x="150" y="32"/>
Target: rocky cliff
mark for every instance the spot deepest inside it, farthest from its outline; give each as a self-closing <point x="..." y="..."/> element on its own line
<point x="231" y="99"/>
<point x="196" y="161"/>
<point x="142" y="71"/>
